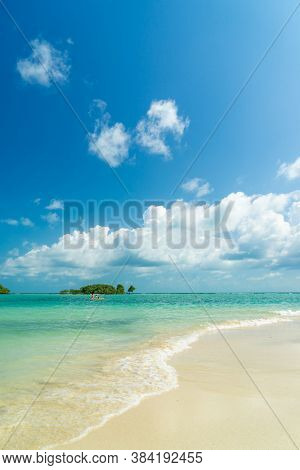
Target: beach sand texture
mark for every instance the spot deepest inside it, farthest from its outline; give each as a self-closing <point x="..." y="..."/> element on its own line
<point x="216" y="405"/>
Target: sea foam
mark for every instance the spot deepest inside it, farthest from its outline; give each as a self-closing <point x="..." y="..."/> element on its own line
<point x="148" y="372"/>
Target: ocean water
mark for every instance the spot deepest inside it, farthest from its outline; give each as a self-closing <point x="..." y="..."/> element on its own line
<point x="68" y="364"/>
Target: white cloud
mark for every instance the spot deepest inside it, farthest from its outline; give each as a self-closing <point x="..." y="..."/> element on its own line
<point x="291" y="171"/>
<point x="100" y="104"/>
<point x="10" y="221"/>
<point x="52" y="218"/>
<point x="111" y="144"/>
<point x="26" y="222"/>
<point x="70" y="41"/>
<point x="263" y="277"/>
<point x="264" y="229"/>
<point x="162" y="120"/>
<point x="37" y="201"/>
<point x="197" y="186"/>
<point x="22" y="221"/>
<point x="44" y="65"/>
<point x="26" y="243"/>
<point x="55" y="204"/>
<point x="14" y="252"/>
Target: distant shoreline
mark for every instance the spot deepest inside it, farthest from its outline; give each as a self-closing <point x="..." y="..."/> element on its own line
<point x="165" y="293"/>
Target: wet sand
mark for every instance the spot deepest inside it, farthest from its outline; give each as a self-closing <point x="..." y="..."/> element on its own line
<point x="216" y="405"/>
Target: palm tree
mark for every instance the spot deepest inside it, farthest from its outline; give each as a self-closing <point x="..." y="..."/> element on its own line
<point x="120" y="289"/>
<point x="131" y="289"/>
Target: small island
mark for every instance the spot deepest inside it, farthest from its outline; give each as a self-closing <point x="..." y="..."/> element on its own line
<point x="104" y="289"/>
<point x="4" y="290"/>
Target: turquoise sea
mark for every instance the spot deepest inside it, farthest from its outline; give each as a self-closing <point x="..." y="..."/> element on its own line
<point x="68" y="364"/>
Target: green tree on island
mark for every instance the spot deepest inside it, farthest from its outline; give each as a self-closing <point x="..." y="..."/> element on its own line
<point x="105" y="289"/>
<point x="4" y="290"/>
<point x="120" y="289"/>
<point x="98" y="289"/>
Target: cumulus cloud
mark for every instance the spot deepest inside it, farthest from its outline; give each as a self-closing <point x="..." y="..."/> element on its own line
<point x="25" y="221"/>
<point x="162" y="120"/>
<point x="55" y="204"/>
<point x="197" y="186"/>
<point x="110" y="143"/>
<point x="52" y="218"/>
<point x="44" y="65"/>
<point x="257" y="232"/>
<point x="291" y="171"/>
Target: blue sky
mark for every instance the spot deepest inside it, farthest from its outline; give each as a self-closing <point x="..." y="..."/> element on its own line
<point x="148" y="61"/>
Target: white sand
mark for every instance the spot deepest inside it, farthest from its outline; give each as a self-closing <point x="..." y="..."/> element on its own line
<point x="216" y="405"/>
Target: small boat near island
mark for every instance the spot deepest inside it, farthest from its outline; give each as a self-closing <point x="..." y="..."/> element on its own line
<point x="96" y="297"/>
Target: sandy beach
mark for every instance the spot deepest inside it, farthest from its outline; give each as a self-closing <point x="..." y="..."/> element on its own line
<point x="216" y="405"/>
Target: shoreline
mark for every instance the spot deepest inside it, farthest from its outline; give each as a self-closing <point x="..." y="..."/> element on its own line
<point x="209" y="379"/>
<point x="109" y="374"/>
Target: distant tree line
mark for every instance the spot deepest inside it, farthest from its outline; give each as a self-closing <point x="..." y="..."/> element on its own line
<point x="105" y="289"/>
<point x="4" y="290"/>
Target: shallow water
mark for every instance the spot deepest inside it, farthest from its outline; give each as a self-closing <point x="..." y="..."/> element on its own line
<point x="68" y="364"/>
